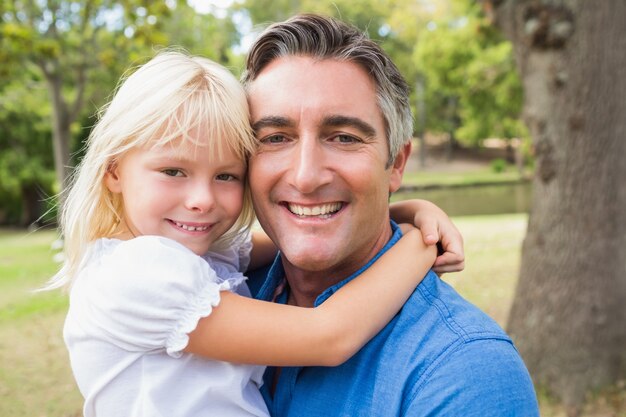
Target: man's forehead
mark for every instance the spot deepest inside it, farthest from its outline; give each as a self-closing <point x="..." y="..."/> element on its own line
<point x="325" y="89"/>
<point x="275" y="70"/>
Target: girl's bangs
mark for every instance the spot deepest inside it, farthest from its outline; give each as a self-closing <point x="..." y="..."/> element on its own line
<point x="203" y="120"/>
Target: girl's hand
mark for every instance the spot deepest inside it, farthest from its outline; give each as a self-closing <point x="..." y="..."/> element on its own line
<point x="406" y="228"/>
<point x="436" y="228"/>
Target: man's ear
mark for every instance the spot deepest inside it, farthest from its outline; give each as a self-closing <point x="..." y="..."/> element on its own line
<point x="112" y="178"/>
<point x="397" y="168"/>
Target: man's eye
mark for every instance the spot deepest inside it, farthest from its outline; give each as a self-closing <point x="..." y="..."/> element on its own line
<point x="274" y="139"/>
<point x="345" y="139"/>
<point x="225" y="177"/>
<point x="173" y="172"/>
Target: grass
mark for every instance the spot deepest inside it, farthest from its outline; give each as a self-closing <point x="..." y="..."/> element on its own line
<point x="25" y="264"/>
<point x="484" y="175"/>
<point x="35" y="378"/>
<point x="492" y="245"/>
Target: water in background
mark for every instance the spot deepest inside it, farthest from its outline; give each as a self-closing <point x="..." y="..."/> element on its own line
<point x="476" y="200"/>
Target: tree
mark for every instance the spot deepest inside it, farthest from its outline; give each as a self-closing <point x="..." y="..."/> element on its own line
<point x="474" y="92"/>
<point x="368" y="15"/>
<point x="59" y="62"/>
<point x="26" y="166"/>
<point x="568" y="314"/>
<point x="213" y="36"/>
<point x="69" y="43"/>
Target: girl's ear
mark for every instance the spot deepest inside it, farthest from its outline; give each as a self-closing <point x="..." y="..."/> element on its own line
<point x="112" y="179"/>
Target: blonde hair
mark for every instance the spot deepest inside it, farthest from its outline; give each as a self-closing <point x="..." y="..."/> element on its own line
<point x="160" y="102"/>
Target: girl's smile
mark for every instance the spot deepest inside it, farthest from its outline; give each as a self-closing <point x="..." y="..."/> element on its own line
<point x="189" y="227"/>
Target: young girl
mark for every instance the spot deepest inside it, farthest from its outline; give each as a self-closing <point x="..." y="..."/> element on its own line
<point x="156" y="236"/>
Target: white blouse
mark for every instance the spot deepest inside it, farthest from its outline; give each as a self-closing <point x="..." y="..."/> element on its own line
<point x="131" y="309"/>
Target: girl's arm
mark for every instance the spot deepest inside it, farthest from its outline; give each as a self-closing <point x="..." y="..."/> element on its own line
<point x="263" y="250"/>
<point x="245" y="330"/>
<point x="435" y="226"/>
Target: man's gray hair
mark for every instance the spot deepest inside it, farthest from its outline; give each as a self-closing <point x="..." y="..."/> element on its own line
<point x="323" y="37"/>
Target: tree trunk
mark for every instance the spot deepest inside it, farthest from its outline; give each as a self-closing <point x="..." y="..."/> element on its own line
<point x="32" y="205"/>
<point x="61" y="135"/>
<point x="420" y="109"/>
<point x="453" y="104"/>
<point x="568" y="317"/>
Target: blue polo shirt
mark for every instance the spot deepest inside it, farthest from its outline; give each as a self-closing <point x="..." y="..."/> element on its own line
<point x="439" y="356"/>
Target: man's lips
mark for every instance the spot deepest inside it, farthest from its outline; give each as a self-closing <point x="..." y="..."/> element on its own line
<point x="324" y="210"/>
<point x="191" y="227"/>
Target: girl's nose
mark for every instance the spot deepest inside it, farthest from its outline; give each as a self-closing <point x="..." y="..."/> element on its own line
<point x="201" y="198"/>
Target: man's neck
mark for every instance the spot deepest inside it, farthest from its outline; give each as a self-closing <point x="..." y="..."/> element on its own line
<point x="305" y="286"/>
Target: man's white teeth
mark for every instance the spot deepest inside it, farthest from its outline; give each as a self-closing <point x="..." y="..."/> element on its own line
<point x="323" y="210"/>
<point x="191" y="228"/>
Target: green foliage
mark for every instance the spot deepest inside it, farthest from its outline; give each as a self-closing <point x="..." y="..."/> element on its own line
<point x="369" y="15"/>
<point x="54" y="56"/>
<point x="492" y="106"/>
<point x="80" y="49"/>
<point x="212" y="36"/>
<point x="473" y="90"/>
<point x="498" y="165"/>
<point x="26" y="167"/>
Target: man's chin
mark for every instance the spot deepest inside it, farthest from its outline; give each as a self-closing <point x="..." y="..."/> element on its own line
<point x="308" y="261"/>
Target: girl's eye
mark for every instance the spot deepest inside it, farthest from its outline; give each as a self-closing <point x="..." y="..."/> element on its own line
<point x="173" y="172"/>
<point x="226" y="177"/>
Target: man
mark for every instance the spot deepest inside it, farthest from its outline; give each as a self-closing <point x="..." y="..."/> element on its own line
<point x="331" y="113"/>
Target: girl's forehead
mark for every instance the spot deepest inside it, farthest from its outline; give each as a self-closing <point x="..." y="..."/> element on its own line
<point x="191" y="146"/>
<point x="174" y="137"/>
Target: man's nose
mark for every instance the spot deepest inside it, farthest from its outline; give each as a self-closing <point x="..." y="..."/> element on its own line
<point x="309" y="165"/>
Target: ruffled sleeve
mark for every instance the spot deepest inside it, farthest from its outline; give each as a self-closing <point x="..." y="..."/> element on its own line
<point x="243" y="245"/>
<point x="148" y="293"/>
<point x="234" y="253"/>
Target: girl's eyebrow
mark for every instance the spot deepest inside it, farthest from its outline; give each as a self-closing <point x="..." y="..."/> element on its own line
<point x="355" y="122"/>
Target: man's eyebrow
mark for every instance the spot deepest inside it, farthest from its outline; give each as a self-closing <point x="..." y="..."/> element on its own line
<point x="339" y="121"/>
<point x="272" y="121"/>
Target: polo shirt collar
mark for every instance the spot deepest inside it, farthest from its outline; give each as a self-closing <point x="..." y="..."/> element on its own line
<point x="275" y="288"/>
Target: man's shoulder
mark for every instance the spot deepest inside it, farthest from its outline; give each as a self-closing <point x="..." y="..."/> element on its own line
<point x="485" y="377"/>
<point x="455" y="347"/>
<point x="439" y="311"/>
<point x="437" y="326"/>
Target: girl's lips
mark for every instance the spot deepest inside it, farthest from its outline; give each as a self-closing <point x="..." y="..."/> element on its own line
<point x="192" y="227"/>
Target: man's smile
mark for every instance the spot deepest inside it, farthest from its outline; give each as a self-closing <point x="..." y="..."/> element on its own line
<point x="325" y="210"/>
